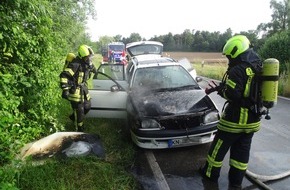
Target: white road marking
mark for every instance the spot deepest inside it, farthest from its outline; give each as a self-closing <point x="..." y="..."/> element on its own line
<point x="160" y="179"/>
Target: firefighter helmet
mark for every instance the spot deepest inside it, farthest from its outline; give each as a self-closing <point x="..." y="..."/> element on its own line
<point x="85" y="51"/>
<point x="236" y="45"/>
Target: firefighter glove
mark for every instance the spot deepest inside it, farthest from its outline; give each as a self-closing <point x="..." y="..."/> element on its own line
<point x="213" y="86"/>
<point x="221" y="89"/>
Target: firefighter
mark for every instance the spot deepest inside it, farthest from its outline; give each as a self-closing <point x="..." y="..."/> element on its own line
<point x="239" y="120"/>
<point x="73" y="81"/>
<point x="112" y="56"/>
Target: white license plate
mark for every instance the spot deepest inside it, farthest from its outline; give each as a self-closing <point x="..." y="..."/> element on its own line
<point x="174" y="142"/>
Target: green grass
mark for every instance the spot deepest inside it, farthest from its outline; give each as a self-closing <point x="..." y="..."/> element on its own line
<point x="213" y="71"/>
<point x="284" y="85"/>
<point x="75" y="173"/>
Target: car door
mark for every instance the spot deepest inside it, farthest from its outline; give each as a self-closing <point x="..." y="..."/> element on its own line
<point x="108" y="91"/>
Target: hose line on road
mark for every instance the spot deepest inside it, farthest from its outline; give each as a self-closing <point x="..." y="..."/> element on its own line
<point x="260" y="179"/>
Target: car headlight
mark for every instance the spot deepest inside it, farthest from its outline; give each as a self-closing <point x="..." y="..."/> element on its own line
<point x="149" y="124"/>
<point x="210" y="117"/>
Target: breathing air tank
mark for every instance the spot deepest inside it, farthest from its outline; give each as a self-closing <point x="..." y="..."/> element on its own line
<point x="270" y="77"/>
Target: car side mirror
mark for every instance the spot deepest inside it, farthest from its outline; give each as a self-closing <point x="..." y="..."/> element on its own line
<point x="198" y="79"/>
<point x="114" y="88"/>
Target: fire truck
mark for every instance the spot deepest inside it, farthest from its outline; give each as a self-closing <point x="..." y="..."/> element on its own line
<point x="114" y="52"/>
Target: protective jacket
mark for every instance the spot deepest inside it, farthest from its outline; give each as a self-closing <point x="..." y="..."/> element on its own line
<point x="73" y="79"/>
<point x="240" y="112"/>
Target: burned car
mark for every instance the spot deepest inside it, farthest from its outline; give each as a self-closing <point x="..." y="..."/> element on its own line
<point x="162" y="103"/>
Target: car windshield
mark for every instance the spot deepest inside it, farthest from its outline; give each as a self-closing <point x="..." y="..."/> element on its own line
<point x="162" y="77"/>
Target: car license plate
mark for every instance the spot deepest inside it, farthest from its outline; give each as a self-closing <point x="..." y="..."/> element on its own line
<point x="183" y="141"/>
<point x="174" y="142"/>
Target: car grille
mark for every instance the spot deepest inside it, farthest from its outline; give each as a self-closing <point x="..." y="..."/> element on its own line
<point x="181" y="122"/>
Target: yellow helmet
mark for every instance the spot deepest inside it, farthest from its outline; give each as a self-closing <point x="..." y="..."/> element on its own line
<point x="236" y="45"/>
<point x="84" y="51"/>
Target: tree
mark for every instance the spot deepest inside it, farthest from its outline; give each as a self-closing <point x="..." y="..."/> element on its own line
<point x="134" y="37"/>
<point x="253" y="37"/>
<point x="225" y="36"/>
<point x="187" y="39"/>
<point x="280" y="20"/>
<point x="169" y="42"/>
<point x="103" y="42"/>
<point x="118" y="38"/>
<point x="280" y="15"/>
<point x="288" y="14"/>
<point x="277" y="46"/>
<point x="180" y="43"/>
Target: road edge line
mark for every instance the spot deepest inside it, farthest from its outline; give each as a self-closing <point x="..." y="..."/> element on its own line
<point x="158" y="175"/>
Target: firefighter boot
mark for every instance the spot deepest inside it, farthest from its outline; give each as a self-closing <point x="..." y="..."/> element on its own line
<point x="80" y="127"/>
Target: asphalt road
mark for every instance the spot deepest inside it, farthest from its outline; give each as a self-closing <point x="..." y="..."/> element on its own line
<point x="177" y="169"/>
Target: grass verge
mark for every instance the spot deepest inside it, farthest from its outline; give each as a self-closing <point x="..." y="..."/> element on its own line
<point x="213" y="70"/>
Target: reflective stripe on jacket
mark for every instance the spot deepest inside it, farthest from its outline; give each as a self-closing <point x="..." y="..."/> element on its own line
<point x="237" y="117"/>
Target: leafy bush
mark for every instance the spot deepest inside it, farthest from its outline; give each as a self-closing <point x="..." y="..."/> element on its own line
<point x="277" y="47"/>
<point x="35" y="37"/>
<point x="27" y="102"/>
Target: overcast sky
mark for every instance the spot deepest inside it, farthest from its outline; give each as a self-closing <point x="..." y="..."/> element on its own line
<point x="159" y="17"/>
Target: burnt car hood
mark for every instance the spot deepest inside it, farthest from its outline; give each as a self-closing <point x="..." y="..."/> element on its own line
<point x="164" y="103"/>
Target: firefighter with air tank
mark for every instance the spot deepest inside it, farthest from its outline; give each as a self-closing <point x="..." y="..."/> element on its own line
<point x="249" y="86"/>
<point x="73" y="81"/>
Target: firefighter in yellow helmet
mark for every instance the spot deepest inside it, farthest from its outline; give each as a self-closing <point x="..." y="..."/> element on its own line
<point x="239" y="119"/>
<point x="73" y="81"/>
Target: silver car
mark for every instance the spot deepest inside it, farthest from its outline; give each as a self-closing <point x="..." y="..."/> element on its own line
<point x="158" y="97"/>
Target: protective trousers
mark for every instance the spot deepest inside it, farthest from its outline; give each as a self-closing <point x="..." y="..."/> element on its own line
<point x="239" y="145"/>
<point x="80" y="109"/>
